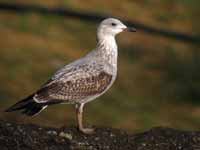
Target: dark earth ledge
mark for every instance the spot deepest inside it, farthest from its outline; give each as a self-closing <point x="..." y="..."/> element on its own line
<point x="34" y="137"/>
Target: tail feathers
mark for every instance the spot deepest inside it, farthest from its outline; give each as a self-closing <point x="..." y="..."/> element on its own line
<point x="33" y="108"/>
<point x="28" y="106"/>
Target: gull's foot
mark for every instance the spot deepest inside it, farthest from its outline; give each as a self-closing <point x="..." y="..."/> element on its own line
<point x="87" y="130"/>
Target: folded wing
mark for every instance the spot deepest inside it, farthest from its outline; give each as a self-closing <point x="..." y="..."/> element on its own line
<point x="74" y="90"/>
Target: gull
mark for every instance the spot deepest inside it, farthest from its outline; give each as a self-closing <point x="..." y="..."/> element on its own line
<point x="82" y="80"/>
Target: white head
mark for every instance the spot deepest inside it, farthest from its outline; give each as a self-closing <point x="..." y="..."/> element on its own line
<point x="111" y="27"/>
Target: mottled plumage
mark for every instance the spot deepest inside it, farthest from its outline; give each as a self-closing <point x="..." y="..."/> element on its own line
<point x="81" y="81"/>
<point x="74" y="91"/>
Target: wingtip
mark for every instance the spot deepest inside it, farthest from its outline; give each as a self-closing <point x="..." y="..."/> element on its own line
<point x="9" y="109"/>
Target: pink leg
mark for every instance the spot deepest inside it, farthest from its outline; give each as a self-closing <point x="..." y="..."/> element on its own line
<point x="79" y="113"/>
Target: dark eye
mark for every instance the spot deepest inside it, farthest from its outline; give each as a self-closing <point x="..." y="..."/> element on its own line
<point x="113" y="24"/>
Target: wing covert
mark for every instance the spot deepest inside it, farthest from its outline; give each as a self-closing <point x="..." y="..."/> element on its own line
<point x="73" y="91"/>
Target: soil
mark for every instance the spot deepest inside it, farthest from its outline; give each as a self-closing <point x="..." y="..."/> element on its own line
<point x="33" y="137"/>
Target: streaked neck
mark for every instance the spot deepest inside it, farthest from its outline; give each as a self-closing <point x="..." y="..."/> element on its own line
<point x="107" y="42"/>
<point x="107" y="49"/>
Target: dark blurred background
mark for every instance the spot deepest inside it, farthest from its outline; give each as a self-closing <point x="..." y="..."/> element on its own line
<point x="159" y="77"/>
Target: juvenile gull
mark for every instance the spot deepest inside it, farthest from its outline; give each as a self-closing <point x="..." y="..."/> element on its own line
<point x="82" y="80"/>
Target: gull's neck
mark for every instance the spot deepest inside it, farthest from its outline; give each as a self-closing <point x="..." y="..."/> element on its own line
<point x="107" y="42"/>
<point x="107" y="48"/>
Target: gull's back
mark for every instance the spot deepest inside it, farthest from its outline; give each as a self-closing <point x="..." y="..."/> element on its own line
<point x="78" y="82"/>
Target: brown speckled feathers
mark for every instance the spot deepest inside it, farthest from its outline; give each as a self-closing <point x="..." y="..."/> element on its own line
<point x="75" y="90"/>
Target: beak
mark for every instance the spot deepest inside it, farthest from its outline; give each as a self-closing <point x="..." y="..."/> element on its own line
<point x="131" y="29"/>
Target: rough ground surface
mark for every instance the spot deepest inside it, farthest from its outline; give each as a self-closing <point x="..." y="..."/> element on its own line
<point x="33" y="137"/>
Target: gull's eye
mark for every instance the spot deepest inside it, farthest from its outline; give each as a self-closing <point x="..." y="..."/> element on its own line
<point x="113" y="24"/>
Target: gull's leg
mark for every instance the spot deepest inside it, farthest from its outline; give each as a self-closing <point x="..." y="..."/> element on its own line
<point x="79" y="113"/>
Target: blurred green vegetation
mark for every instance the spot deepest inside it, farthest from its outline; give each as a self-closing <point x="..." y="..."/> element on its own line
<point x="159" y="79"/>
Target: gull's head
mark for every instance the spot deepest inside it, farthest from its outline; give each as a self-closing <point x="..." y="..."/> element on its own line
<point x="112" y="27"/>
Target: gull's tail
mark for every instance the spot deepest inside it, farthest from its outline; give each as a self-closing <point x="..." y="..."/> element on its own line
<point x="28" y="106"/>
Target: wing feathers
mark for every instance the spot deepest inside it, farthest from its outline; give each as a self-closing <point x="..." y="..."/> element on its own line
<point x="75" y="90"/>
